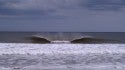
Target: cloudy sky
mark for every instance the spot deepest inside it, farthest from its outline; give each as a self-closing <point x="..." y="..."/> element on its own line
<point x="62" y="15"/>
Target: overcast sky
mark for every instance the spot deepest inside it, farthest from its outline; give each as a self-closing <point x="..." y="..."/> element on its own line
<point x="62" y="15"/>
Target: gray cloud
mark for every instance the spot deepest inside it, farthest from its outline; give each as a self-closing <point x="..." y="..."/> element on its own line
<point x="62" y="15"/>
<point x="7" y="7"/>
<point x="40" y="7"/>
<point x="105" y="4"/>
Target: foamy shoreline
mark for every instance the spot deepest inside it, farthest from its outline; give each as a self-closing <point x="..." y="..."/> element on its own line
<point x="21" y="56"/>
<point x="22" y="48"/>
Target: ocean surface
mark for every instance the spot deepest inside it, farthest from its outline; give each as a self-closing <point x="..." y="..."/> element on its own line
<point x="18" y="51"/>
<point x="23" y="37"/>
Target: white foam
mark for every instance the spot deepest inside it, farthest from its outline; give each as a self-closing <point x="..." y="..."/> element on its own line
<point x="60" y="42"/>
<point x="62" y="56"/>
<point x="14" y="48"/>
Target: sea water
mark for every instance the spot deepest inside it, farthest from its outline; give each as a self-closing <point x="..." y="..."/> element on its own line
<point x="17" y="52"/>
<point x="22" y="37"/>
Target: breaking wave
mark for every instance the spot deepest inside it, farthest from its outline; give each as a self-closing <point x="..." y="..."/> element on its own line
<point x="80" y="39"/>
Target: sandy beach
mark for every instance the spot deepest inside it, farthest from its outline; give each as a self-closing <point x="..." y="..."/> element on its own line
<point x="20" y="56"/>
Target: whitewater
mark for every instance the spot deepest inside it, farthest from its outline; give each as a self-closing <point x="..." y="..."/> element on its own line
<point x="21" y="56"/>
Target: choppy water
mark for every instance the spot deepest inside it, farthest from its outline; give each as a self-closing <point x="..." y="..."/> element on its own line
<point x="23" y="37"/>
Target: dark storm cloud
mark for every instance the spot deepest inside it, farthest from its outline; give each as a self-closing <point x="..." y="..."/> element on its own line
<point x="62" y="15"/>
<point x="34" y="7"/>
<point x="15" y="7"/>
<point x="7" y="8"/>
<point x="104" y="4"/>
<point x="4" y="2"/>
<point x="8" y="11"/>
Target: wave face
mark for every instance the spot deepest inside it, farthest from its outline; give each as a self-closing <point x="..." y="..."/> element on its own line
<point x="93" y="40"/>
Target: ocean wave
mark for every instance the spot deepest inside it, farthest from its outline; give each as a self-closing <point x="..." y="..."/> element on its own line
<point x="80" y="39"/>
